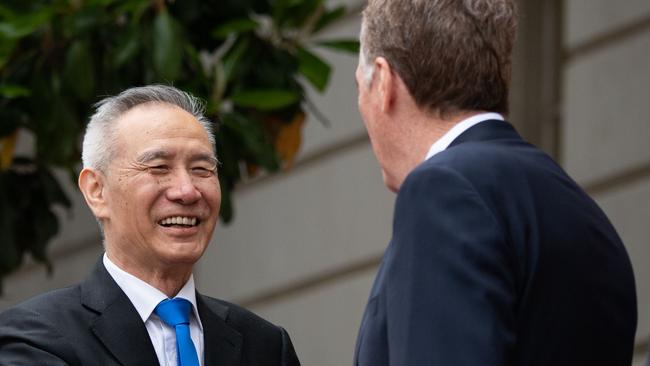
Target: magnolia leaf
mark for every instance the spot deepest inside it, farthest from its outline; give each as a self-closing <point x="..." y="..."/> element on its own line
<point x="232" y="58"/>
<point x="167" y="47"/>
<point x="7" y="147"/>
<point x="14" y="91"/>
<point x="53" y="191"/>
<point x="265" y="100"/>
<point x="48" y="226"/>
<point x="328" y="17"/>
<point x="79" y="71"/>
<point x="314" y="69"/>
<point x="57" y="135"/>
<point x="23" y="25"/>
<point x="255" y="140"/>
<point x="226" y="208"/>
<point x="6" y="48"/>
<point x="9" y="255"/>
<point x="128" y="48"/>
<point x="297" y="13"/>
<point x="9" y="121"/>
<point x="346" y="45"/>
<point x="289" y="138"/>
<point x="234" y="26"/>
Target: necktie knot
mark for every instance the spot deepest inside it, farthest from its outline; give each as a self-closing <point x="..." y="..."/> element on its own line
<point x="174" y="311"/>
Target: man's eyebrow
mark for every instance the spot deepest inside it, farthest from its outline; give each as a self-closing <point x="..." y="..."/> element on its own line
<point x="205" y="157"/>
<point x="150" y="155"/>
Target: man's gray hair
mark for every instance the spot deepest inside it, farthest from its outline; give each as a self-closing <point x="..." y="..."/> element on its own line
<point x="100" y="138"/>
<point x="453" y="55"/>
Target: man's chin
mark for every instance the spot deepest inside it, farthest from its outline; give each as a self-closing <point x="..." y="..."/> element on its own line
<point x="182" y="254"/>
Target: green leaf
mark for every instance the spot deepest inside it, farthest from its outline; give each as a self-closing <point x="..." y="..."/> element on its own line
<point x="167" y="47"/>
<point x="23" y="25"/>
<point x="232" y="58"/>
<point x="5" y="12"/>
<point x="314" y="69"/>
<point x="234" y="26"/>
<point x="14" y="91"/>
<point x="329" y="17"/>
<point x="295" y="13"/>
<point x="346" y="45"/>
<point x="82" y="20"/>
<point x="6" y="48"/>
<point x="226" y="209"/>
<point x="54" y="193"/>
<point x="9" y="121"/>
<point x="253" y="138"/>
<point x="9" y="255"/>
<point x="57" y="130"/>
<point x="102" y="3"/>
<point x="128" y="48"/>
<point x="135" y="8"/>
<point x="79" y="71"/>
<point x="265" y="100"/>
<point x="47" y="228"/>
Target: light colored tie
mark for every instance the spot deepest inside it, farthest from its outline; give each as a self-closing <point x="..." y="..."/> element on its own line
<point x="176" y="313"/>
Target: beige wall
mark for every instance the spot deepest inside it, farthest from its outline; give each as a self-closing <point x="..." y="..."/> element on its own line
<point x="605" y="133"/>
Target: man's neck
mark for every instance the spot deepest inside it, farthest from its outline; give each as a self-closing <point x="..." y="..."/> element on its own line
<point x="166" y="278"/>
<point x="425" y="129"/>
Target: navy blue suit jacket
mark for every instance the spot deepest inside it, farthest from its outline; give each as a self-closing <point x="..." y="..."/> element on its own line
<point x="498" y="258"/>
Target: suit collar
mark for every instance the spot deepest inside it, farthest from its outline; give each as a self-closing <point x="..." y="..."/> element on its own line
<point x="448" y="137"/>
<point x="117" y="325"/>
<point x="487" y="130"/>
<point x="222" y="343"/>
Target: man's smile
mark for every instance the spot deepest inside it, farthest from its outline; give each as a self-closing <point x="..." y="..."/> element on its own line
<point x="180" y="221"/>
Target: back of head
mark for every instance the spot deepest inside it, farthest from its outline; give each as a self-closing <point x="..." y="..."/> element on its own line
<point x="453" y="55"/>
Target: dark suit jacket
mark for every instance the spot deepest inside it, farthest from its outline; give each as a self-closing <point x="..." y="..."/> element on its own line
<point x="94" y="323"/>
<point x="498" y="258"/>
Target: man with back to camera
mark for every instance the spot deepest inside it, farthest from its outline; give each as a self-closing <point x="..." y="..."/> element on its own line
<point x="150" y="179"/>
<point x="497" y="257"/>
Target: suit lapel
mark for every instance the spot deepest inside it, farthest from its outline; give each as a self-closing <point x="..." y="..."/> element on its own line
<point x="117" y="325"/>
<point x="222" y="345"/>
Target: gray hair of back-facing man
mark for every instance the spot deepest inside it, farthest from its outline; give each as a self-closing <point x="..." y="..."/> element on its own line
<point x="100" y="137"/>
<point x="453" y="55"/>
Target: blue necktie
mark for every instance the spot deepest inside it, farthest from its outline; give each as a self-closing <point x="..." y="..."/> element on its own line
<point x="176" y="313"/>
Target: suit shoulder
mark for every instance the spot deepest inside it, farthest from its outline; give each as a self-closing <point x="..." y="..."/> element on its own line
<point x="482" y="155"/>
<point x="55" y="311"/>
<point x="240" y="317"/>
<point x="37" y="331"/>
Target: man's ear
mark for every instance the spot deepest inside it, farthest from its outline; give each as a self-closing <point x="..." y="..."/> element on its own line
<point x="387" y="83"/>
<point x="91" y="183"/>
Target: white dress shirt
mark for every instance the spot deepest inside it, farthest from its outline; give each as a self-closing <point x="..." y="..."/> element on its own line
<point x="145" y="298"/>
<point x="459" y="128"/>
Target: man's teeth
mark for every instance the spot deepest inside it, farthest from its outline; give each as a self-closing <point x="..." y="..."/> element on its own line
<point x="179" y="220"/>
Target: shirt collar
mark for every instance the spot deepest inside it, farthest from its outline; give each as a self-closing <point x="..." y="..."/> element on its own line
<point x="145" y="297"/>
<point x="446" y="139"/>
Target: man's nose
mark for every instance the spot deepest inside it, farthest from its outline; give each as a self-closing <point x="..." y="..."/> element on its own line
<point x="182" y="189"/>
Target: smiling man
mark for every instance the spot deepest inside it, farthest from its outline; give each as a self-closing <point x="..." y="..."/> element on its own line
<point x="150" y="179"/>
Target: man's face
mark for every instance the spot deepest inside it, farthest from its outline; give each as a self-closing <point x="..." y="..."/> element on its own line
<point x="161" y="189"/>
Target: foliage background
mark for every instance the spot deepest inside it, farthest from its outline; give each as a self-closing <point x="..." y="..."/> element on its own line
<point x="248" y="59"/>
